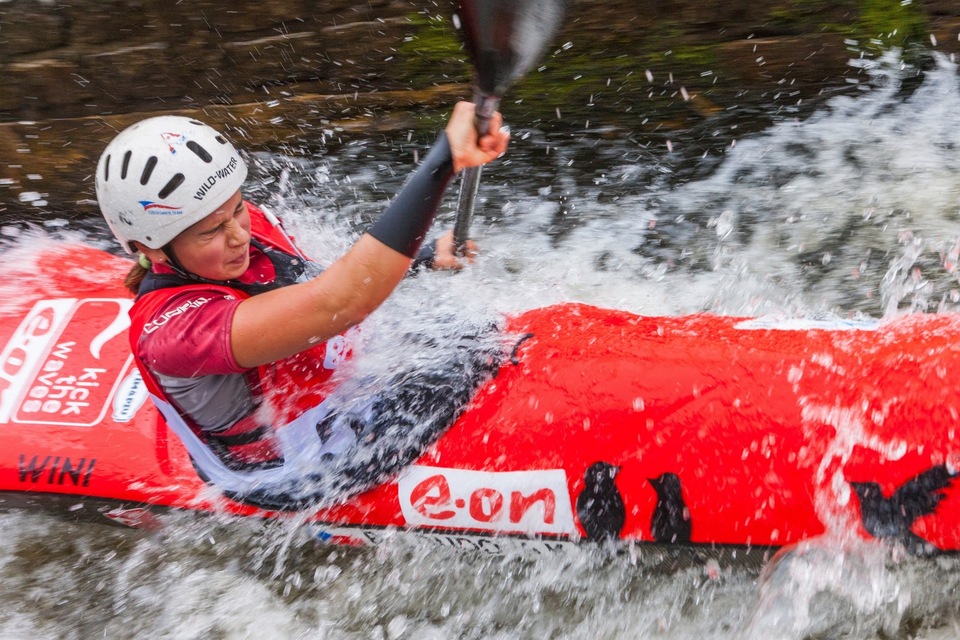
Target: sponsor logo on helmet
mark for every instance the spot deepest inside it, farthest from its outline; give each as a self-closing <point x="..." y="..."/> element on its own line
<point x="212" y="179"/>
<point x="157" y="209"/>
<point x="173" y="140"/>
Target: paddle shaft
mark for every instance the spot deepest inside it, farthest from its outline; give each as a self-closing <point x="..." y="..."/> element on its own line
<point x="470" y="182"/>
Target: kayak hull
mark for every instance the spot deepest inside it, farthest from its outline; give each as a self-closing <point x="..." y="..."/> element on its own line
<point x="697" y="431"/>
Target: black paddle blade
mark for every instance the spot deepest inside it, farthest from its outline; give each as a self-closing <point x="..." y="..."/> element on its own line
<point x="505" y="38"/>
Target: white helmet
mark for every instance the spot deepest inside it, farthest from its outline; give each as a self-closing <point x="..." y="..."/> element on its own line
<point x="162" y="175"/>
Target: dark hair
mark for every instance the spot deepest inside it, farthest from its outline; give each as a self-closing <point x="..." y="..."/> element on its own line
<point x="136" y="275"/>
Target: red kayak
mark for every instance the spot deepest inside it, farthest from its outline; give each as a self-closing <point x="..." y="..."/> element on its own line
<point x="601" y="425"/>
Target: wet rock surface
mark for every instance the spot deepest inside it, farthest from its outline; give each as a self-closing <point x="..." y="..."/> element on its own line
<point x="276" y="73"/>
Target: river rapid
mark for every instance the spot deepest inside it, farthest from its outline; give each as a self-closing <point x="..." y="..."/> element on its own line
<point x="853" y="211"/>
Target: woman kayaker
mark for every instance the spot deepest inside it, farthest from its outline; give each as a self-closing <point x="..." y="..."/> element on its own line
<point x="235" y="332"/>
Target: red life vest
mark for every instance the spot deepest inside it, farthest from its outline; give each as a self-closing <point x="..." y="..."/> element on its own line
<point x="283" y="389"/>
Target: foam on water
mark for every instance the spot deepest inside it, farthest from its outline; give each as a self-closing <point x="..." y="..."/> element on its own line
<point x="855" y="207"/>
<point x="852" y="211"/>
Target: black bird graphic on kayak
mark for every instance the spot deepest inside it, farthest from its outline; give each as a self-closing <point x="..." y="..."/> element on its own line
<point x="600" y="506"/>
<point x="671" y="518"/>
<point x="891" y="519"/>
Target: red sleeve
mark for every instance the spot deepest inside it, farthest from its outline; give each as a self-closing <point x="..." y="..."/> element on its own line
<point x="190" y="335"/>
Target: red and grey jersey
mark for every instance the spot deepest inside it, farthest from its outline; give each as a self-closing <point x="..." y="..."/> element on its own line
<point x="180" y="337"/>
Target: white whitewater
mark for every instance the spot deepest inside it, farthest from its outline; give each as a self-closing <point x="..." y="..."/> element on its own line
<point x="854" y="211"/>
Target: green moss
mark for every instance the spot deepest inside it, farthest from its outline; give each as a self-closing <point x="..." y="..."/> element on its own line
<point x="431" y="52"/>
<point x="877" y="25"/>
<point x="892" y="23"/>
<point x="584" y="81"/>
<point x="569" y="77"/>
<point x="642" y="72"/>
<point x="800" y="16"/>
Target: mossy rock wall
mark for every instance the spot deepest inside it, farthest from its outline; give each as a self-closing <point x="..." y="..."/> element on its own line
<point x="274" y="72"/>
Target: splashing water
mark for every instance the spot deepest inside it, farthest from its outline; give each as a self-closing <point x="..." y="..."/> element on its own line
<point x="855" y="208"/>
<point x="851" y="211"/>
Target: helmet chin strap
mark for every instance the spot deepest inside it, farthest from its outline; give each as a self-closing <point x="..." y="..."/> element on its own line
<point x="174" y="264"/>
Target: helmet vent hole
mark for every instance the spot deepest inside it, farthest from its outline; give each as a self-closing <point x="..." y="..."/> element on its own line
<point x="221" y="139"/>
<point x="125" y="165"/>
<point x="148" y="169"/>
<point x="169" y="188"/>
<point x="200" y="151"/>
<point x="106" y="168"/>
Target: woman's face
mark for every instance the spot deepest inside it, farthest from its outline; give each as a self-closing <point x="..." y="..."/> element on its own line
<point x="217" y="247"/>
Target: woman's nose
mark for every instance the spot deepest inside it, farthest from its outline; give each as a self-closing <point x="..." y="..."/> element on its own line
<point x="237" y="234"/>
